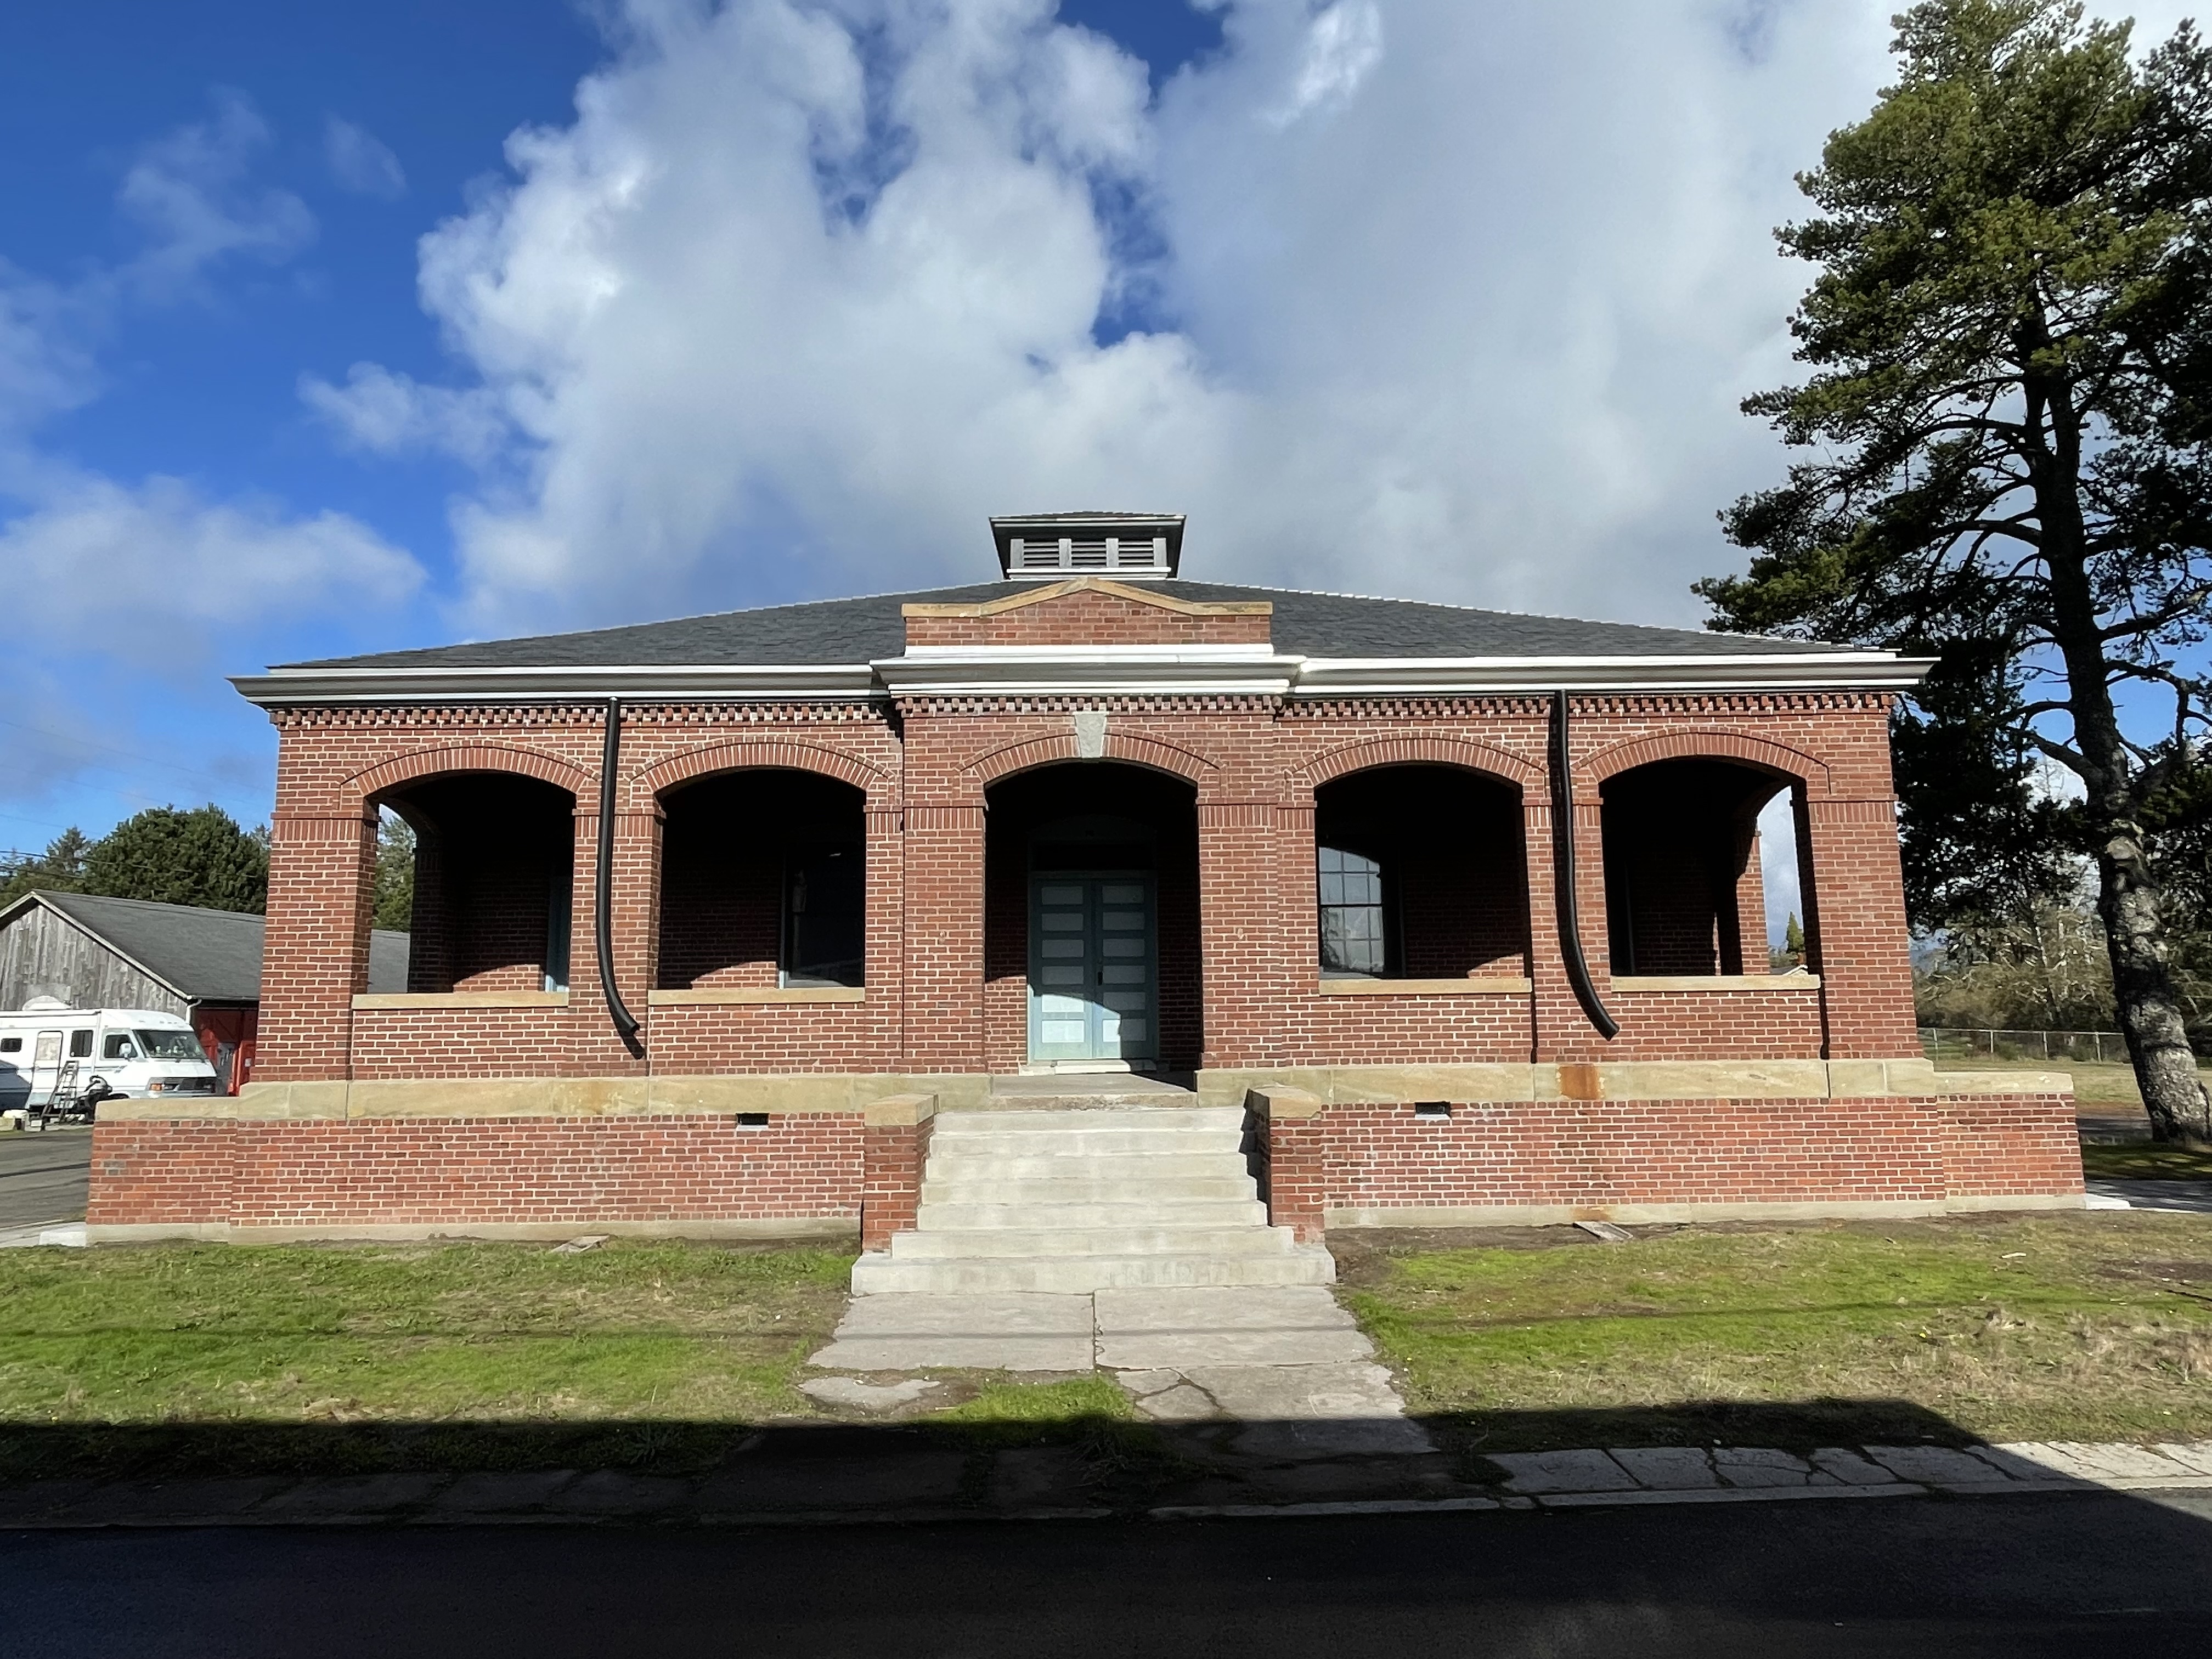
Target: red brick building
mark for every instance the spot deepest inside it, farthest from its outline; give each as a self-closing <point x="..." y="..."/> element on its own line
<point x="1465" y="908"/>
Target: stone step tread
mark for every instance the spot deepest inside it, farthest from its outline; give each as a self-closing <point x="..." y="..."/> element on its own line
<point x="1132" y="1212"/>
<point x="974" y="1243"/>
<point x="1144" y="1144"/>
<point x="1040" y="1118"/>
<point x="1132" y="1166"/>
<point x="1081" y="1189"/>
<point x="877" y="1273"/>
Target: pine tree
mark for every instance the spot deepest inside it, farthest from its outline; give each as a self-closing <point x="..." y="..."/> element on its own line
<point x="2011" y="410"/>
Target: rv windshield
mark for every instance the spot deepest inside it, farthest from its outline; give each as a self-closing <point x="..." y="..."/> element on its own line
<point x="171" y="1045"/>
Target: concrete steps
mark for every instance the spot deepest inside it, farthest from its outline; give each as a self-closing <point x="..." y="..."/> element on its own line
<point x="1078" y="1196"/>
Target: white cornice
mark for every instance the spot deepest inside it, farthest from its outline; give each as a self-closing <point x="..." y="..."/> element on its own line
<point x="708" y="683"/>
<point x="1791" y="670"/>
<point x="1102" y="670"/>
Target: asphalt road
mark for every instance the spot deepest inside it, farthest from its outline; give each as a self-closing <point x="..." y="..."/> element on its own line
<point x="43" y="1177"/>
<point x="2017" y="1576"/>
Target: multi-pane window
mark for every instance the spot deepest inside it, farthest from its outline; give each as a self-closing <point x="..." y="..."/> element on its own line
<point x="825" y="916"/>
<point x="1351" y="936"/>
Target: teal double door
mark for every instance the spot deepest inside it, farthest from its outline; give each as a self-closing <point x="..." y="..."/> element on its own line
<point x="1094" y="966"/>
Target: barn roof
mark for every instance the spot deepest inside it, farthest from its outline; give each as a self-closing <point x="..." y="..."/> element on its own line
<point x="203" y="956"/>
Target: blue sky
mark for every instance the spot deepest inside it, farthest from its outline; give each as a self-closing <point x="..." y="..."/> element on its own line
<point x="327" y="328"/>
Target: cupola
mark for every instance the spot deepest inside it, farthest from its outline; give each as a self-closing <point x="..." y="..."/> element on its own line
<point x="1127" y="546"/>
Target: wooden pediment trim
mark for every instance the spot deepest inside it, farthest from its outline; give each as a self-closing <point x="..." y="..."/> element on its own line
<point x="1094" y="585"/>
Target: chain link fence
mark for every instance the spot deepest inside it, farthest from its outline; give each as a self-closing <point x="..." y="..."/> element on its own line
<point x="1962" y="1043"/>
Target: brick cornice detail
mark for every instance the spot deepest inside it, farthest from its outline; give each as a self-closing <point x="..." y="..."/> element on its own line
<point x="1700" y="742"/>
<point x="784" y="753"/>
<point x="467" y="757"/>
<point x="1367" y="752"/>
<point x="1031" y="752"/>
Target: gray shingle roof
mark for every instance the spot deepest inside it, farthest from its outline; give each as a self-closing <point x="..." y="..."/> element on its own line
<point x="851" y="631"/>
<point x="205" y="956"/>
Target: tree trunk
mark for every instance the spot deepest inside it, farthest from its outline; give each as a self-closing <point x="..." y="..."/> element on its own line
<point x="2142" y="986"/>
<point x="2127" y="894"/>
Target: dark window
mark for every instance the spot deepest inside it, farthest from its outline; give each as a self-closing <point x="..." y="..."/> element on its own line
<point x="825" y="908"/>
<point x="11" y="1045"/>
<point x="80" y="1045"/>
<point x="1352" y="938"/>
<point x="118" y="1047"/>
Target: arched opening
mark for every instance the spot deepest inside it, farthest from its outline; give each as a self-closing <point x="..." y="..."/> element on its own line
<point x="1091" y="919"/>
<point x="494" y="872"/>
<point x="1420" y="872"/>
<point x="763" y="882"/>
<point x="1684" y="892"/>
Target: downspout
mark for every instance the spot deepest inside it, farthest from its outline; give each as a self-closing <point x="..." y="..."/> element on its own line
<point x="1562" y="874"/>
<point x="602" y="898"/>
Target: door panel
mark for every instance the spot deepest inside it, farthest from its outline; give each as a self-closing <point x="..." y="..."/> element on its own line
<point x="1093" y="969"/>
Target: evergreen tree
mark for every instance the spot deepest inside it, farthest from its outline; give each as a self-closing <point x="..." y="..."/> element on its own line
<point x="2011" y="408"/>
<point x="197" y="857"/>
<point x="59" y="869"/>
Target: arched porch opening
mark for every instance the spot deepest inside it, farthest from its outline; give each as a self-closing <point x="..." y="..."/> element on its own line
<point x="1420" y="873"/>
<point x="1685" y="889"/>
<point x="1090" y="920"/>
<point x="494" y="875"/>
<point x="763" y="882"/>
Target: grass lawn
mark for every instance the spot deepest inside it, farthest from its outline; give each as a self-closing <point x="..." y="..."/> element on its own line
<point x="176" y="1358"/>
<point x="2095" y="1084"/>
<point x="2065" y="1327"/>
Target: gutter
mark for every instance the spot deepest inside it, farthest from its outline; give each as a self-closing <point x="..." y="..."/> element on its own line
<point x="1127" y="671"/>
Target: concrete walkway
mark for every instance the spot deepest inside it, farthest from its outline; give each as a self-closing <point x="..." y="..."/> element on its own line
<point x="2191" y="1197"/>
<point x="1273" y="1392"/>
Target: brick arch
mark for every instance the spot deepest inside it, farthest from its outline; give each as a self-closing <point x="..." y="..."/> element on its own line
<point x="1370" y="752"/>
<point x="468" y="757"/>
<point x="1030" y="753"/>
<point x="1697" y="743"/>
<point x="784" y="753"/>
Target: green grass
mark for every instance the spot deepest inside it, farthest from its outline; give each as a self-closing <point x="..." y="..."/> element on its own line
<point x="2145" y="1160"/>
<point x="2054" y="1327"/>
<point x="361" y="1356"/>
<point x="2095" y="1083"/>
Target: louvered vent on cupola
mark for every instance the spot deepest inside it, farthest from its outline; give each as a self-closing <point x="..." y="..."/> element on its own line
<point x="1127" y="546"/>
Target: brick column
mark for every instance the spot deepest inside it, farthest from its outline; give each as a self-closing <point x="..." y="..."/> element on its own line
<point x="1751" y="908"/>
<point x="1855" y="923"/>
<point x="1245" y="974"/>
<point x="595" y="1049"/>
<point x="1286" y="1127"/>
<point x="1563" y="1029"/>
<point x="885" y="968"/>
<point x="943" y="916"/>
<point x="315" y="959"/>
<point x="894" y="1153"/>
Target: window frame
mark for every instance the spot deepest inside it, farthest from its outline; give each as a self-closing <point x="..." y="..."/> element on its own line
<point x="1386" y="930"/>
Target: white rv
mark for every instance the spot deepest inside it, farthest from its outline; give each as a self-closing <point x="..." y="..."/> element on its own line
<point x="54" y="1058"/>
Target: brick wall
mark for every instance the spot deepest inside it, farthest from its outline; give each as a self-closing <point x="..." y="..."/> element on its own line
<point x="414" y="1171"/>
<point x="1597" y="1155"/>
<point x="944" y="789"/>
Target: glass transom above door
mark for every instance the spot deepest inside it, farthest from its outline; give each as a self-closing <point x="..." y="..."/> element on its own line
<point x="1093" y="968"/>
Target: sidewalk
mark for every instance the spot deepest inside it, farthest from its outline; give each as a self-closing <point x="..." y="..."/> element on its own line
<point x="861" y="1476"/>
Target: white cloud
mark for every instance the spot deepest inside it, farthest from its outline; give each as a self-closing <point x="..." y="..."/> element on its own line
<point x="362" y="162"/>
<point x="148" y="573"/>
<point x="1343" y="43"/>
<point x="191" y="193"/>
<point x="1447" y="301"/>
<point x="380" y="412"/>
<point x="1453" y="301"/>
<point x="109" y="583"/>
